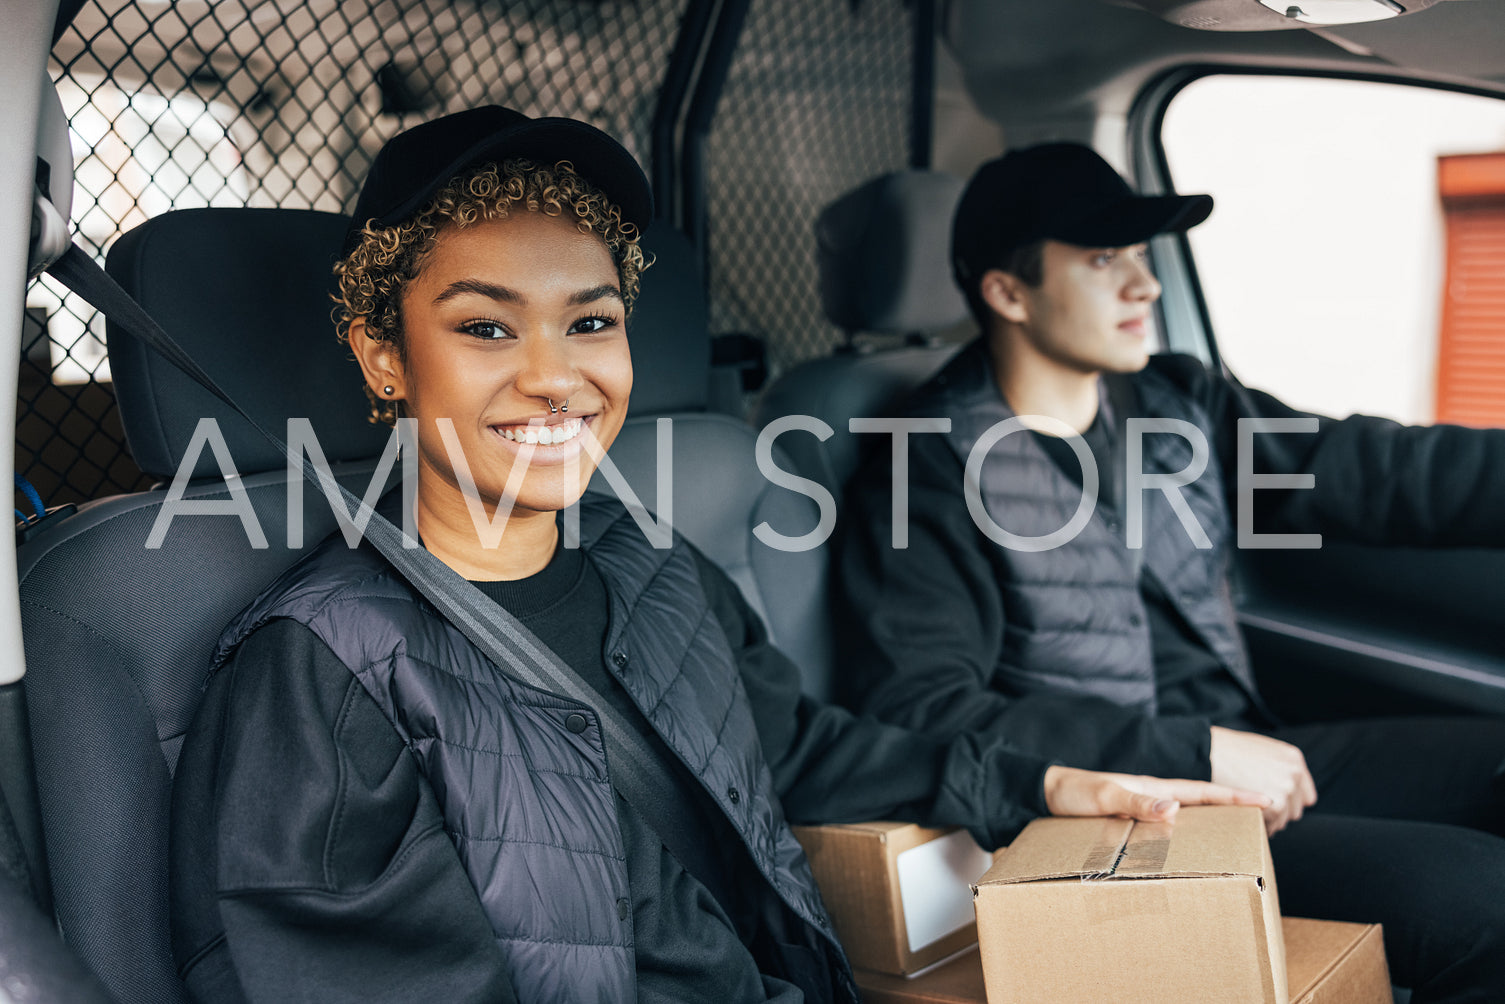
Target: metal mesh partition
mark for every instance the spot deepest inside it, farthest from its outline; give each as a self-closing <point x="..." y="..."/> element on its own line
<point x="283" y="103"/>
<point x="817" y="102"/>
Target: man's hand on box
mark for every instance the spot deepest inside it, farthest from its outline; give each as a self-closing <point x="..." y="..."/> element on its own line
<point x="1070" y="791"/>
<point x="1259" y="763"/>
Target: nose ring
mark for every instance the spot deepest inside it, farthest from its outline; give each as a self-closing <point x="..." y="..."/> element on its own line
<point x="553" y="410"/>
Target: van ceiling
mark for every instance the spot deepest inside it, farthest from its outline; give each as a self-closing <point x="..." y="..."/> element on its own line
<point x="1037" y="58"/>
<point x="1059" y="53"/>
<point x="1463" y="37"/>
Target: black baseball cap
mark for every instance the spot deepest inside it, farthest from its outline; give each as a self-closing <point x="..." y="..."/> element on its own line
<point x="1057" y="191"/>
<point x="414" y="165"/>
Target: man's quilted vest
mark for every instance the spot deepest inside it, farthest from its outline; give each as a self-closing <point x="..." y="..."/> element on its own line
<point x="1075" y="618"/>
<point x="525" y="799"/>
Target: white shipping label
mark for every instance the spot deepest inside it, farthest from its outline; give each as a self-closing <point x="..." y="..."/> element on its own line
<point x="935" y="886"/>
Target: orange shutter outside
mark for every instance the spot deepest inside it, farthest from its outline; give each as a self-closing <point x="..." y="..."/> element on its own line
<point x="1471" y="347"/>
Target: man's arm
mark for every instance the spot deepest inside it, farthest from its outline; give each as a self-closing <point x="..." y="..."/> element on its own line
<point x="919" y="632"/>
<point x="1377" y="481"/>
<point x="326" y="860"/>
<point x="831" y="766"/>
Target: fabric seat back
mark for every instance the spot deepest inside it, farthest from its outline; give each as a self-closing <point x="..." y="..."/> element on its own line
<point x="118" y="634"/>
<point x="884" y="267"/>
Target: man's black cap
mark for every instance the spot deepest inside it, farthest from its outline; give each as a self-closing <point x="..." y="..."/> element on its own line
<point x="413" y="166"/>
<point x="1057" y="191"/>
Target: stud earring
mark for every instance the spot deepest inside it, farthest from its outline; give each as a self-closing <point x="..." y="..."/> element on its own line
<point x="387" y="390"/>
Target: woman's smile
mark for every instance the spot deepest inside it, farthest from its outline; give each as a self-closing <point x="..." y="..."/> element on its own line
<point x="542" y="432"/>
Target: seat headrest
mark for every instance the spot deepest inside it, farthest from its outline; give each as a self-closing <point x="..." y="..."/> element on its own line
<point x="884" y="255"/>
<point x="247" y="293"/>
<point x="669" y="329"/>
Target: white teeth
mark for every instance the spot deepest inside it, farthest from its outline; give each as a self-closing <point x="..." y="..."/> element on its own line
<point x="543" y="435"/>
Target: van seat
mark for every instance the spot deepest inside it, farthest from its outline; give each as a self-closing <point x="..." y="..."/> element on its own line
<point x="883" y="254"/>
<point x="839" y="388"/>
<point x="118" y="635"/>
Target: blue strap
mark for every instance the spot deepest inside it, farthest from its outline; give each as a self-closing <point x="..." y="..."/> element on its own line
<point x="32" y="496"/>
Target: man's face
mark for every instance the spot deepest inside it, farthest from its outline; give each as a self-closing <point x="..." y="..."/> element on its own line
<point x="1091" y="311"/>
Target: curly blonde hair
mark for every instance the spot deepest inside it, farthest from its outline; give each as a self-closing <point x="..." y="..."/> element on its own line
<point x="373" y="276"/>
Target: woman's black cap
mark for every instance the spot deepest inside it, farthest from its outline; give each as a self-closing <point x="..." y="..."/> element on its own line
<point x="1057" y="191"/>
<point x="414" y="165"/>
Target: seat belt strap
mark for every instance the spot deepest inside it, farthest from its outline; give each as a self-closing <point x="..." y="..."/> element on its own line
<point x="636" y="771"/>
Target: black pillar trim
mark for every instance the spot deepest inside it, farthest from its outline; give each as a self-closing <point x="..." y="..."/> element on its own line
<point x="713" y="74"/>
<point x="693" y="29"/>
<point x="922" y="85"/>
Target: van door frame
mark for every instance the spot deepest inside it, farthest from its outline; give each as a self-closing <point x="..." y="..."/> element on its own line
<point x="1348" y="629"/>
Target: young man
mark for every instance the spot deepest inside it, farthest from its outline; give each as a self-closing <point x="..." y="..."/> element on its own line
<point x="1018" y="612"/>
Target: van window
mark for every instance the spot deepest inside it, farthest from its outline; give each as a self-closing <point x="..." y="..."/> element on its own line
<point x="1325" y="263"/>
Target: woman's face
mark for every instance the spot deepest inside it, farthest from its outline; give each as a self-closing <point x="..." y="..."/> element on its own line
<point x="504" y="317"/>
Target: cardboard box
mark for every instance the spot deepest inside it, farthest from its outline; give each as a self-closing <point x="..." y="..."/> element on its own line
<point x="1333" y="963"/>
<point x="1095" y="909"/>
<point x="1326" y="963"/>
<point x="900" y="895"/>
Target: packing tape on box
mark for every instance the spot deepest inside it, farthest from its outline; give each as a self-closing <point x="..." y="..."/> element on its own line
<point x="1101" y="860"/>
<point x="1145" y="855"/>
<point x="1143" y="852"/>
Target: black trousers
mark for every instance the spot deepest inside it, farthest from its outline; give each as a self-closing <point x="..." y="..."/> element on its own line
<point x="1408" y="831"/>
